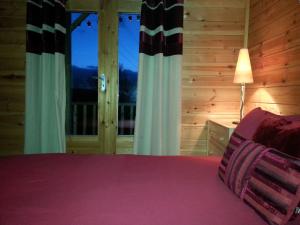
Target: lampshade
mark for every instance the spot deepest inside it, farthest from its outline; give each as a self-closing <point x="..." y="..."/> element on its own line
<point x="243" y="71"/>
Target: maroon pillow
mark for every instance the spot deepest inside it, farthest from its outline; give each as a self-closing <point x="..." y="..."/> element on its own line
<point x="295" y="221"/>
<point x="295" y="217"/>
<point x="249" y="124"/>
<point x="293" y="118"/>
<point x="288" y="139"/>
<point x="268" y="130"/>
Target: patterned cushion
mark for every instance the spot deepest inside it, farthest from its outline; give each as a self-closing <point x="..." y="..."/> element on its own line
<point x="273" y="189"/>
<point x="296" y="214"/>
<point x="241" y="163"/>
<point x="234" y="143"/>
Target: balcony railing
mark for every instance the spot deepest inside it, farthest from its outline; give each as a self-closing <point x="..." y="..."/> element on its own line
<point x="84" y="118"/>
<point x="126" y="118"/>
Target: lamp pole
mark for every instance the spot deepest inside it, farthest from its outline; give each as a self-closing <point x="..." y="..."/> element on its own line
<point x="243" y="89"/>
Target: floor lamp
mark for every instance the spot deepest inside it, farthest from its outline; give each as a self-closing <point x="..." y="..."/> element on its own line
<point x="243" y="75"/>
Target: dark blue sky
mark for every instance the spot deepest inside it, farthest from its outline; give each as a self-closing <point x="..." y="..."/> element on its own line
<point x="85" y="42"/>
<point x="129" y="41"/>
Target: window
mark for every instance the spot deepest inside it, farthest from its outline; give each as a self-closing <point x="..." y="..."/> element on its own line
<point x="129" y="25"/>
<point x="83" y="106"/>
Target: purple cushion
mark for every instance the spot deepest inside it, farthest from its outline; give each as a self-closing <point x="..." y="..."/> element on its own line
<point x="268" y="130"/>
<point x="293" y="118"/>
<point x="296" y="221"/>
<point x="296" y="216"/>
<point x="249" y="124"/>
<point x="273" y="189"/>
<point x="288" y="139"/>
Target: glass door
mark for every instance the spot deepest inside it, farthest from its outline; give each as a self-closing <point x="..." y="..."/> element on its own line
<point x="128" y="53"/>
<point x="101" y="105"/>
<point x="83" y="93"/>
<point x="128" y="57"/>
<point x="83" y="106"/>
<point x="92" y="80"/>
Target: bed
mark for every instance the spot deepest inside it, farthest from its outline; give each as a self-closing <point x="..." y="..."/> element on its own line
<point x="260" y="168"/>
<point x="64" y="189"/>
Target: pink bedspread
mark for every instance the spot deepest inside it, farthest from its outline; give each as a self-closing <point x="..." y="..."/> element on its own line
<point x="117" y="190"/>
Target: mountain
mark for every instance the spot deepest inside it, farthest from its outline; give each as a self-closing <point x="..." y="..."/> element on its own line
<point x="84" y="78"/>
<point x="128" y="85"/>
<point x="84" y="84"/>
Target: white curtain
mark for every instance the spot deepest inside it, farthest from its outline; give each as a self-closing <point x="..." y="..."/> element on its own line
<point x="45" y="78"/>
<point x="157" y="127"/>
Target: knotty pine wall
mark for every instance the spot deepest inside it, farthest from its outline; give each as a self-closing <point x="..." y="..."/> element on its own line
<point x="274" y="42"/>
<point x="213" y="35"/>
<point x="12" y="75"/>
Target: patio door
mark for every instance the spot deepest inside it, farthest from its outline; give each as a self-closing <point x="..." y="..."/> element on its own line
<point x="93" y="79"/>
<point x="95" y="117"/>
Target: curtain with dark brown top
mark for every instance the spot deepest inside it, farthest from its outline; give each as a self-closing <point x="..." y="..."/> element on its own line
<point x="45" y="77"/>
<point x="157" y="130"/>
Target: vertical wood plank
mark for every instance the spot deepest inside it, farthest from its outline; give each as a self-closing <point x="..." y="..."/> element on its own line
<point x="12" y="76"/>
<point x="214" y="31"/>
<point x="108" y="65"/>
<point x="247" y="15"/>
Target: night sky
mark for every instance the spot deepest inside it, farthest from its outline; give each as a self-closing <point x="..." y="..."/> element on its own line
<point x="129" y="41"/>
<point x="85" y="42"/>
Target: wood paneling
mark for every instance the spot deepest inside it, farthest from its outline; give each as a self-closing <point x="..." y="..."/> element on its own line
<point x="124" y="145"/>
<point x="105" y="142"/>
<point x="213" y="35"/>
<point x="274" y="43"/>
<point x="109" y="66"/>
<point x="12" y="75"/>
<point x="86" y="5"/>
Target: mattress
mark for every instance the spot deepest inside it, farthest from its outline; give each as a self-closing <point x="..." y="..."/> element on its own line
<point x="64" y="189"/>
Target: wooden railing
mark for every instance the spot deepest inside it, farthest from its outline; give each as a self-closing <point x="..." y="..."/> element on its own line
<point x="84" y="118"/>
<point x="126" y="118"/>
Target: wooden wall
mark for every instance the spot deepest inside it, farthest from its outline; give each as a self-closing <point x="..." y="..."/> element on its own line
<point x="274" y="42"/>
<point x="12" y="75"/>
<point x="213" y="35"/>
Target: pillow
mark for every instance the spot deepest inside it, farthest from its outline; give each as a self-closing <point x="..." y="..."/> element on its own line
<point x="293" y="118"/>
<point x="288" y="139"/>
<point x="234" y="143"/>
<point x="295" y="216"/>
<point x="241" y="163"/>
<point x="268" y="130"/>
<point x="273" y="189"/>
<point x="296" y="221"/>
<point x="249" y="124"/>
